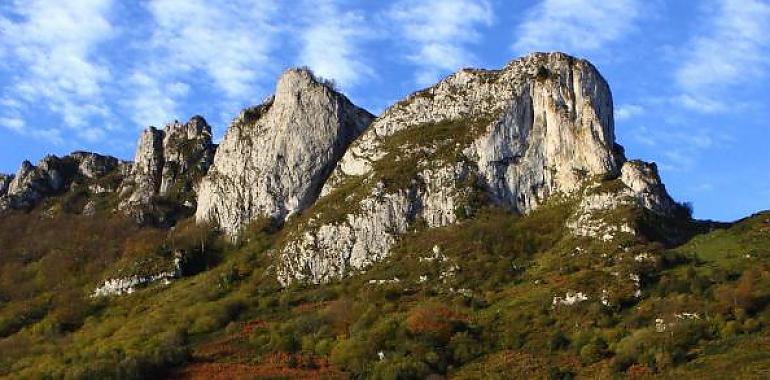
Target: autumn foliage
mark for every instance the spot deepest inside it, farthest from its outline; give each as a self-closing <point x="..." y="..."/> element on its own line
<point x="434" y="320"/>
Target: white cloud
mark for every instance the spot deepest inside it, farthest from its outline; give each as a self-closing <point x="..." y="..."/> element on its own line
<point x="628" y="111"/>
<point x="575" y="26"/>
<point x="680" y="147"/>
<point x="699" y="102"/>
<point x="200" y="43"/>
<point x="92" y="134"/>
<point x="155" y="101"/>
<point x="13" y="123"/>
<point x="51" y="48"/>
<point x="227" y="41"/>
<point x="52" y="135"/>
<point x="438" y="32"/>
<point x="733" y="49"/>
<point x="331" y="43"/>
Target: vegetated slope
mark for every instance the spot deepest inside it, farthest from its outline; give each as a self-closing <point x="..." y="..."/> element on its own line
<point x="481" y="299"/>
<point x="592" y="273"/>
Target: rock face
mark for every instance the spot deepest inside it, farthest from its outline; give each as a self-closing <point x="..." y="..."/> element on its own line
<point x="644" y="182"/>
<point x="541" y="126"/>
<point x="32" y="183"/>
<point x="54" y="176"/>
<point x="167" y="167"/>
<point x="276" y="156"/>
<point x="93" y="165"/>
<point x="128" y="284"/>
<point x="5" y="181"/>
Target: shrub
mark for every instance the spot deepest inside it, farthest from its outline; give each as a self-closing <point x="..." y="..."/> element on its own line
<point x="464" y="347"/>
<point x="400" y="368"/>
<point x="594" y="351"/>
<point x="558" y="341"/>
<point x="434" y="321"/>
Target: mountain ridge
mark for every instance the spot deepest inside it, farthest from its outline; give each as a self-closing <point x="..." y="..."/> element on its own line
<point x="485" y="226"/>
<point x="541" y="126"/>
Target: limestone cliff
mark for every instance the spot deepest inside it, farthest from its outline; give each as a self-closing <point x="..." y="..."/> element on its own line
<point x="543" y="125"/>
<point x="167" y="168"/>
<point x="276" y="156"/>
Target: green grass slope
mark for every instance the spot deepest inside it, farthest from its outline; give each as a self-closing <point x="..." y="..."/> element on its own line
<point x="481" y="299"/>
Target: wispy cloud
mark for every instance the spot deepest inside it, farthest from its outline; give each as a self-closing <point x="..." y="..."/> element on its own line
<point x="222" y="45"/>
<point x="733" y="49"/>
<point x="438" y="33"/>
<point x="680" y="147"/>
<point x="53" y="45"/>
<point x="229" y="42"/>
<point x="154" y="101"/>
<point x="575" y="26"/>
<point x="628" y="111"/>
<point x="15" y="124"/>
<point x="331" y="43"/>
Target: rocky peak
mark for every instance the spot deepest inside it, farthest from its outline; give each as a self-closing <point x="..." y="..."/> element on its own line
<point x="643" y="180"/>
<point x="168" y="164"/>
<point x="53" y="176"/>
<point x="188" y="153"/>
<point x="31" y="183"/>
<point x="276" y="156"/>
<point x="514" y="137"/>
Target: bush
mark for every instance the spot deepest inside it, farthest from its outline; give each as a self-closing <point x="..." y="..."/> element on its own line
<point x="434" y="322"/>
<point x="594" y="351"/>
<point x="400" y="368"/>
<point x="464" y="348"/>
<point x="558" y="341"/>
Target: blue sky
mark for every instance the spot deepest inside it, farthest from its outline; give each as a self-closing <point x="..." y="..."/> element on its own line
<point x="689" y="79"/>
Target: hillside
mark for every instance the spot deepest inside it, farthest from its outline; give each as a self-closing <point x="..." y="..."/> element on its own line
<point x="489" y="226"/>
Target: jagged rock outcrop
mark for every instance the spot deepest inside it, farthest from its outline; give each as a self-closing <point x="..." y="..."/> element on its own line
<point x="54" y="176"/>
<point x="639" y="185"/>
<point x="167" y="168"/>
<point x="94" y="165"/>
<point x="276" y="156"/>
<point x="514" y="137"/>
<point x="5" y="181"/>
<point x="644" y="182"/>
<point x="128" y="284"/>
<point x="31" y="183"/>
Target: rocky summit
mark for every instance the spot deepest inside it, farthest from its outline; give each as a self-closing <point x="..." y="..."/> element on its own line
<point x="79" y="171"/>
<point x="168" y="167"/>
<point x="488" y="226"/>
<point x="348" y="184"/>
<point x="276" y="156"/>
<point x="542" y="126"/>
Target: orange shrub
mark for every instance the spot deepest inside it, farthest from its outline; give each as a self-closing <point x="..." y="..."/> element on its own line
<point x="435" y="320"/>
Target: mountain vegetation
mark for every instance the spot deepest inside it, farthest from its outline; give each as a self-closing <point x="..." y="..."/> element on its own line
<point x="488" y="227"/>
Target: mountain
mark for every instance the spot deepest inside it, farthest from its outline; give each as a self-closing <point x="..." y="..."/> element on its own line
<point x="543" y="125"/>
<point x="276" y="156"/>
<point x="488" y="226"/>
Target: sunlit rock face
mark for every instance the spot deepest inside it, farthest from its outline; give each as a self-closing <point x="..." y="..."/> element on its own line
<point x="541" y="126"/>
<point x="168" y="167"/>
<point x="276" y="156"/>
